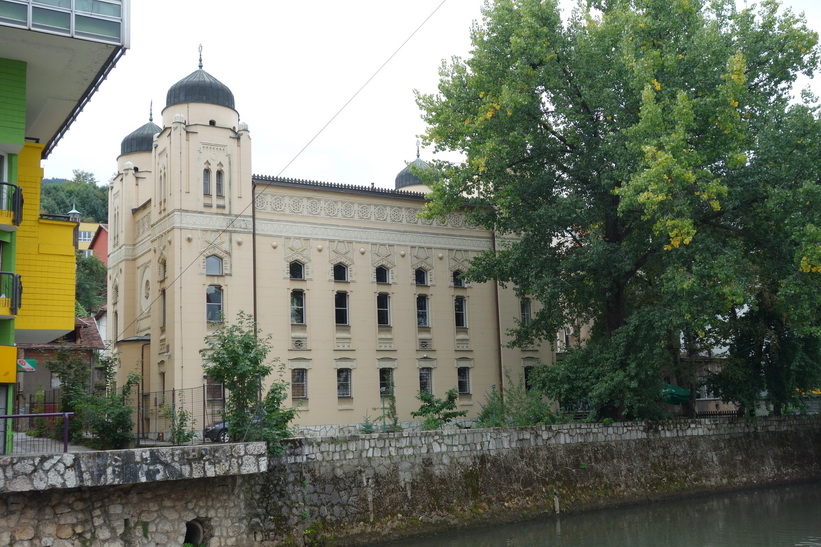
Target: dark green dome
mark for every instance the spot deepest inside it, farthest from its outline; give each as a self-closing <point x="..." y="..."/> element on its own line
<point x="407" y="178"/>
<point x="200" y="87"/>
<point x="140" y="140"/>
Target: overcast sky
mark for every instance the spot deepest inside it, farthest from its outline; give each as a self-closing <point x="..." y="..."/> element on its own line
<point x="291" y="66"/>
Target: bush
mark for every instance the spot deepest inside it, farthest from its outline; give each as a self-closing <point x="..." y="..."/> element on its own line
<point x="109" y="416"/>
<point x="437" y="412"/>
<point x="519" y="407"/>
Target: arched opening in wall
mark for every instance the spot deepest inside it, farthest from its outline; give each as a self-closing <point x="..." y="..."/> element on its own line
<point x="194" y="533"/>
<point x="212" y="122"/>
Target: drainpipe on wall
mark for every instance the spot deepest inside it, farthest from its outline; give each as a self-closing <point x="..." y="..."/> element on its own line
<point x="141" y="417"/>
<point x="254" y="250"/>
<point x="498" y="329"/>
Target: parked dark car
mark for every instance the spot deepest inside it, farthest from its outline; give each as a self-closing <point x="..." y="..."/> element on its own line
<point x="217" y="433"/>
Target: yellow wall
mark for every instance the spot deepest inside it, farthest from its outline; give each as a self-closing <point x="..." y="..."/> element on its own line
<point x="45" y="256"/>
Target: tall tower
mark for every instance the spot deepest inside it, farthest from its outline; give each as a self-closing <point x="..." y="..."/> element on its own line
<point x="179" y="212"/>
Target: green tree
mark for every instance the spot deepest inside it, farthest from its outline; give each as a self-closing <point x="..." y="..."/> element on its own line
<point x="108" y="413"/>
<point x="235" y="356"/>
<point x="436" y="412"/>
<point x="81" y="193"/>
<point x="74" y="375"/>
<point x="648" y="176"/>
<point x="90" y="285"/>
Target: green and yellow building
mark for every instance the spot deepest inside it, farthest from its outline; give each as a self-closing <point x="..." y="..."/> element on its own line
<point x="54" y="54"/>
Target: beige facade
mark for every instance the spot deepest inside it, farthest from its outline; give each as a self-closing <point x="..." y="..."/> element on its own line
<point x="356" y="290"/>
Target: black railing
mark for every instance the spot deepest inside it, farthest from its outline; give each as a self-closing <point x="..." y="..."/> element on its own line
<point x="11" y="200"/>
<point x="11" y="289"/>
<point x="44" y="433"/>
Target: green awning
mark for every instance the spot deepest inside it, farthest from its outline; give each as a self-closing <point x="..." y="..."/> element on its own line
<point x="674" y="395"/>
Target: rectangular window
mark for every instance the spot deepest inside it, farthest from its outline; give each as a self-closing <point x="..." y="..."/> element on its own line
<point x="460" y="312"/>
<point x="463" y="380"/>
<point x="426" y="380"/>
<point x="299" y="383"/>
<point x="524" y="307"/>
<point x="343" y="383"/>
<point x="85" y="236"/>
<point x="213" y="303"/>
<point x="386" y="382"/>
<point x="162" y="309"/>
<point x="422" y="315"/>
<point x="341" y="308"/>
<point x="297" y="307"/>
<point x="383" y="309"/>
<point x="528" y="378"/>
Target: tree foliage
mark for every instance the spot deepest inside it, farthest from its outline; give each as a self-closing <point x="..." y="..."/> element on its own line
<point x="75" y="376"/>
<point x="81" y="193"/>
<point x="649" y="175"/>
<point x="235" y="356"/>
<point x="90" y="283"/>
<point x="436" y="412"/>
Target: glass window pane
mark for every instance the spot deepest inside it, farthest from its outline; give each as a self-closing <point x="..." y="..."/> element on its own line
<point x="97" y="27"/>
<point x="297" y="307"/>
<point x="340" y="272"/>
<point x="51" y="20"/>
<point x="297" y="270"/>
<point x="422" y="319"/>
<point x="421" y="276"/>
<point x="382" y="274"/>
<point x="341" y="308"/>
<point x="299" y="383"/>
<point x="343" y="382"/>
<point x="213" y="265"/>
<point x="426" y="380"/>
<point x="386" y="382"/>
<point x="15" y="14"/>
<point x="96" y="6"/>
<point x="383" y="316"/>
<point x="463" y="377"/>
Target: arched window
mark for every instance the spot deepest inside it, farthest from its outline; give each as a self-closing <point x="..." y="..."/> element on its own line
<point x="340" y="272"/>
<point x="382" y="274"/>
<point x="421" y="276"/>
<point x="213" y="303"/>
<point x="220" y="188"/>
<point x="457" y="279"/>
<point x="296" y="270"/>
<point x="213" y="265"/>
<point x="206" y="182"/>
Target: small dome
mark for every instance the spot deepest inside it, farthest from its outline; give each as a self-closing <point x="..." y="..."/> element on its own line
<point x="200" y="87"/>
<point x="407" y="178"/>
<point x="140" y="140"/>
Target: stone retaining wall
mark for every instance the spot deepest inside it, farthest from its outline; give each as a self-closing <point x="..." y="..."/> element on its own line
<point x="362" y="488"/>
<point x="148" y="496"/>
<point x="372" y="487"/>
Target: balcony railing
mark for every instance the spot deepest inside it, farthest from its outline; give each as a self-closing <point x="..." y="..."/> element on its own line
<point x="11" y="291"/>
<point x="11" y="202"/>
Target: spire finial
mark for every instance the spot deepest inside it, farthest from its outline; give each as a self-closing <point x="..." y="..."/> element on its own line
<point x="200" y="65"/>
<point x="418" y="143"/>
<point x="151" y="112"/>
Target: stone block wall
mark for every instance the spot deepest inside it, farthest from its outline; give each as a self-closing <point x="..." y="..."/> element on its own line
<point x="148" y="496"/>
<point x="364" y="488"/>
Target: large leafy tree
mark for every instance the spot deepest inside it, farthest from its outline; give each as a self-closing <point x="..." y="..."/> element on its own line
<point x="90" y="283"/>
<point x="81" y="193"/>
<point x="650" y="176"/>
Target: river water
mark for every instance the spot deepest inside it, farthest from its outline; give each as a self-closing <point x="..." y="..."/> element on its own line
<point x="773" y="516"/>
